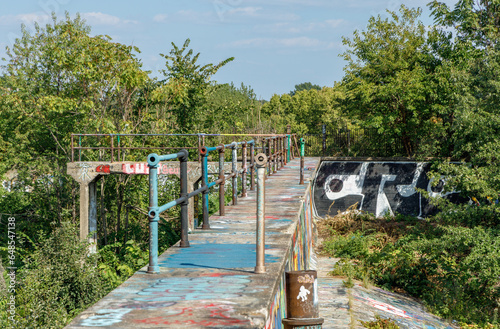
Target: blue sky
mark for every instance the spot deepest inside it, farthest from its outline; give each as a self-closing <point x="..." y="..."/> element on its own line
<point x="276" y="43"/>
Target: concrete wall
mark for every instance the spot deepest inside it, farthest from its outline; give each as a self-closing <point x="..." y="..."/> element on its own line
<point x="378" y="187"/>
<point x="299" y="258"/>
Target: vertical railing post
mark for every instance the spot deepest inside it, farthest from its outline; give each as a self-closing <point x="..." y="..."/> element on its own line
<point x="261" y="161"/>
<point x="252" y="166"/>
<point x="302" y="142"/>
<point x="288" y="133"/>
<point x="282" y="151"/>
<point x="184" y="204"/>
<point x="273" y="155"/>
<point x="222" y="201"/>
<point x="112" y="148"/>
<point x="72" y="149"/>
<point x="118" y="140"/>
<point x="204" y="183"/>
<point x="289" y="148"/>
<point x="276" y="154"/>
<point x="79" y="148"/>
<point x="323" y="130"/>
<point x="267" y="152"/>
<point x="235" y="172"/>
<point x="199" y="148"/>
<point x="244" y="170"/>
<point x="153" y="220"/>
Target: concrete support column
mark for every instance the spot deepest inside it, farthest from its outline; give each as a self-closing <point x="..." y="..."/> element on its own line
<point x="88" y="212"/>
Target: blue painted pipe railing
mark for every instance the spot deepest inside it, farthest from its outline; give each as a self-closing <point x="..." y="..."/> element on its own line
<point x="222" y="177"/>
<point x="155" y="210"/>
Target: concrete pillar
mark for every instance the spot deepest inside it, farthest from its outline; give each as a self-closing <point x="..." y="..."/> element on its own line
<point x="88" y="212"/>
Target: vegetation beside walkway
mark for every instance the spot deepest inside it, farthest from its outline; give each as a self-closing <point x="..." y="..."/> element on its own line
<point x="449" y="261"/>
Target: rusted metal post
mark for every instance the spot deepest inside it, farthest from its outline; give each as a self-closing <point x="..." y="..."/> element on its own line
<point x="222" y="192"/>
<point x="302" y="142"/>
<point x="199" y="148"/>
<point x="204" y="195"/>
<point x="302" y="308"/>
<point x="244" y="170"/>
<point x="235" y="172"/>
<point x="112" y="148"/>
<point x="252" y="167"/>
<point x="118" y="140"/>
<point x="288" y="143"/>
<point x="275" y="155"/>
<point x="282" y="151"/>
<point x="184" y="204"/>
<point x="323" y="130"/>
<point x="261" y="161"/>
<point x="267" y="151"/>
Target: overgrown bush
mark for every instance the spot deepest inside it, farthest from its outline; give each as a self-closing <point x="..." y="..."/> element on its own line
<point x="454" y="269"/>
<point x="60" y="278"/>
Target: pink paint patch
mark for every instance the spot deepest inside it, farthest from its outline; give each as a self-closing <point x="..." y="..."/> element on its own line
<point x="387" y="308"/>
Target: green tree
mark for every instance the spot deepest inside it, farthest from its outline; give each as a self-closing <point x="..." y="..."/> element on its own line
<point x="396" y="82"/>
<point x="230" y="109"/>
<point x="476" y="128"/>
<point x="307" y="110"/>
<point x="193" y="82"/>
<point x="304" y="86"/>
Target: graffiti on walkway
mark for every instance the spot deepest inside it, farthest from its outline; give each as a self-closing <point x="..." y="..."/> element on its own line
<point x="213" y="315"/>
<point x="105" y="317"/>
<point x="198" y="288"/>
<point x="236" y="255"/>
<point x="405" y="311"/>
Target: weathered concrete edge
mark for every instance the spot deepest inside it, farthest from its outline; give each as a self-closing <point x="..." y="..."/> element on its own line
<point x="275" y="316"/>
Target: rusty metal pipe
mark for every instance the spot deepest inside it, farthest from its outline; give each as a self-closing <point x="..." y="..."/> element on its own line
<point x="184" y="205"/>
<point x="252" y="167"/>
<point x="261" y="161"/>
<point x="244" y="170"/>
<point x="222" y="191"/>
<point x="235" y="173"/>
<point x="204" y="197"/>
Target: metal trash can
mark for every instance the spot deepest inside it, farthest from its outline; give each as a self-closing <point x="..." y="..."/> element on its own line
<point x="302" y="308"/>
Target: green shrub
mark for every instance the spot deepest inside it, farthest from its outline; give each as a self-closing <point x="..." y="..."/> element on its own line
<point x="59" y="279"/>
<point x="380" y="323"/>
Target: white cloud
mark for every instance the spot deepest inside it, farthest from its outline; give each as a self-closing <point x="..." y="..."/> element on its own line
<point x="298" y="42"/>
<point x="98" y="18"/>
<point x="297" y="27"/>
<point x="28" y="19"/>
<point x="160" y="18"/>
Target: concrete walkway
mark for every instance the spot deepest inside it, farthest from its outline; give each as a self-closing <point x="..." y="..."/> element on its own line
<point x="343" y="307"/>
<point x="211" y="284"/>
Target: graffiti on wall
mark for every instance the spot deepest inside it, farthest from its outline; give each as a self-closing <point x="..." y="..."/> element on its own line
<point x="298" y="259"/>
<point x="141" y="168"/>
<point x="376" y="187"/>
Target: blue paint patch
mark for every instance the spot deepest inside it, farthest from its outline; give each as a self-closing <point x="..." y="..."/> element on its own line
<point x="220" y="256"/>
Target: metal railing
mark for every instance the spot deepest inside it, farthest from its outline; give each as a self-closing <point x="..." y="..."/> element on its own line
<point x="114" y="147"/>
<point x="279" y="148"/>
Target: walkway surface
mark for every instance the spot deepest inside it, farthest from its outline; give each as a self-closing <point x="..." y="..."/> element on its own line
<point x="335" y="298"/>
<point x="211" y="284"/>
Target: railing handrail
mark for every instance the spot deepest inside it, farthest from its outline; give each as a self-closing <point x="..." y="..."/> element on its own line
<point x="280" y="149"/>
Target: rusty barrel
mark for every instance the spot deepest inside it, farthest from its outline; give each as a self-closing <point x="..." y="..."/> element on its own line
<point x="302" y="308"/>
